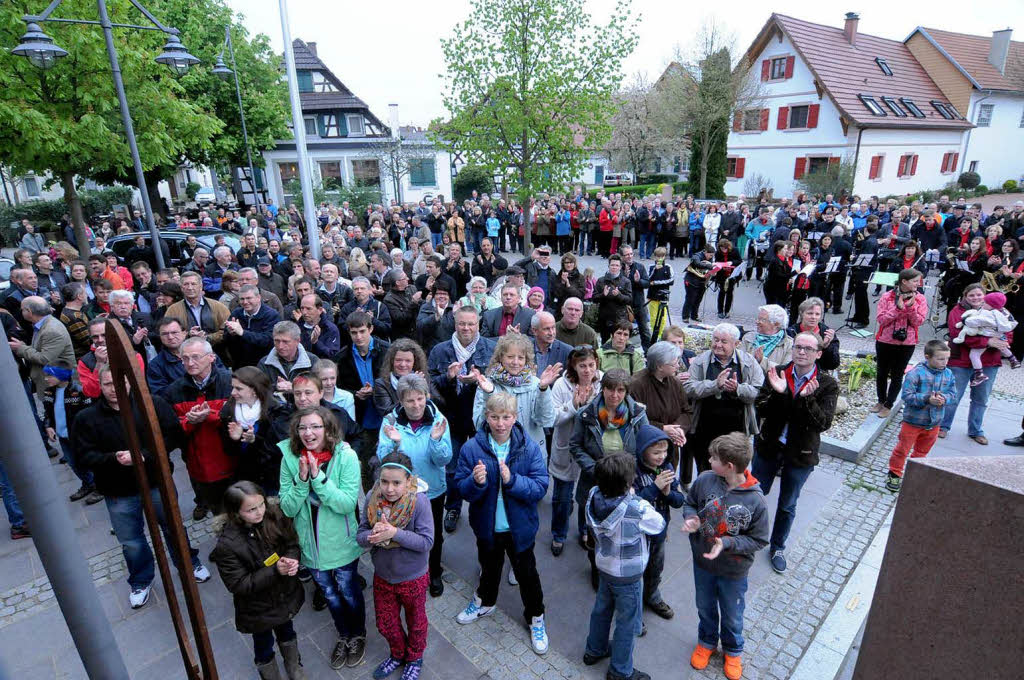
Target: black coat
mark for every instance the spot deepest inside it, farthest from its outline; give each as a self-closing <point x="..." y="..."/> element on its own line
<point x="259" y="461"/>
<point x="806" y="417"/>
<point x="264" y="599"/>
<point x="829" y="359"/>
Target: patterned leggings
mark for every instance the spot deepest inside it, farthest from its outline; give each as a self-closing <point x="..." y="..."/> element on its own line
<point x="388" y="601"/>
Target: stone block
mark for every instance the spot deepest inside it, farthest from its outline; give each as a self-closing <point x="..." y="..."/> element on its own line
<point x="949" y="590"/>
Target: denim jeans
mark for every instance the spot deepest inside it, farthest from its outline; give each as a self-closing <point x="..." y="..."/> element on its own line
<point x="720" y="604"/>
<point x="648" y="242"/>
<point x="561" y="510"/>
<point x="128" y="521"/>
<point x="625" y="601"/>
<point x="979" y="399"/>
<point x="263" y="642"/>
<point x="14" y="513"/>
<point x="791" y="481"/>
<point x="436" y="239"/>
<point x="586" y="243"/>
<point x="84" y="474"/>
<point x="344" y="598"/>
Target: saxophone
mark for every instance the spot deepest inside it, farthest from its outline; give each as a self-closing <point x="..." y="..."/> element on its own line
<point x="990" y="282"/>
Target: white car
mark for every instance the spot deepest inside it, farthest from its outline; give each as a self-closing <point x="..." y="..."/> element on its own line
<point x="206" y="196"/>
<point x="618" y="179"/>
<point x="5" y="273"/>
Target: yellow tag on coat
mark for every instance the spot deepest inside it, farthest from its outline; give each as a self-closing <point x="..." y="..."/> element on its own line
<point x="271" y="561"/>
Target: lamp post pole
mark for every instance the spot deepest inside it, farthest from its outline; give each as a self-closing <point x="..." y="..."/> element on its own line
<point x="129" y="131"/>
<point x="241" y="112"/>
<point x="299" y="129"/>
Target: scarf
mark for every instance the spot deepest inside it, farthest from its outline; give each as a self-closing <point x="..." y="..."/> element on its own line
<point x="965" y="236"/>
<point x="499" y="374"/>
<point x="398" y="513"/>
<point x="790" y="374"/>
<point x="464" y="354"/>
<point x="611" y="420"/>
<point x="769" y="342"/>
<point x="322" y="457"/>
<point x="247" y="416"/>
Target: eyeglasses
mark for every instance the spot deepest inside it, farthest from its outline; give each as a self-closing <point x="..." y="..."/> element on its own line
<point x="310" y="428"/>
<point x="805" y="349"/>
<point x="192" y="359"/>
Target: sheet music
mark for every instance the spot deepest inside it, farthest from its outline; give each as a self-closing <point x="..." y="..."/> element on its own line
<point x="962" y="265"/>
<point x="864" y="260"/>
<point x="738" y="272"/>
<point x="833" y="264"/>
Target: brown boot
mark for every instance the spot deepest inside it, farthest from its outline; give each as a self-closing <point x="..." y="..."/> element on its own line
<point x="269" y="670"/>
<point x="292" y="660"/>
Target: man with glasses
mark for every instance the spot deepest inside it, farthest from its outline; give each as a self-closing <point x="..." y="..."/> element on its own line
<point x="796" y="404"/>
<point x="539" y="272"/>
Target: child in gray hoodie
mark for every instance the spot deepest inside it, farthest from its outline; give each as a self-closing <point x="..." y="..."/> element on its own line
<point x="621" y="522"/>
<point x="727" y="520"/>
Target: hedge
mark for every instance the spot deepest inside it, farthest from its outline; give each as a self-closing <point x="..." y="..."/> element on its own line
<point x="641" y="190"/>
<point x="96" y="202"/>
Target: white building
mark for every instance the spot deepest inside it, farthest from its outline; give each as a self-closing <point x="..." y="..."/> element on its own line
<point x="343" y="138"/>
<point x="831" y="93"/>
<point x="984" y="77"/>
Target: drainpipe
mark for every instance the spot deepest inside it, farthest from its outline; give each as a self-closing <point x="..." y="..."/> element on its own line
<point x="856" y="159"/>
<point x="963" y="156"/>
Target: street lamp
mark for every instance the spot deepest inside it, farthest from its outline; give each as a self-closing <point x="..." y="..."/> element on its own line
<point x="223" y="72"/>
<point x="41" y="51"/>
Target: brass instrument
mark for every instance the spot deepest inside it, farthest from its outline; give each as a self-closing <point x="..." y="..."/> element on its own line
<point x="991" y="284"/>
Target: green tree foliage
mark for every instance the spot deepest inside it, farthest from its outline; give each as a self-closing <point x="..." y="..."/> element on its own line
<point x="472" y="177"/>
<point x="835" y="179"/>
<point x="529" y="87"/>
<point x="66" y="121"/>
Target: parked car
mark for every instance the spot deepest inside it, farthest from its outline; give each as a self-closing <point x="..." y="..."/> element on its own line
<point x="122" y="243"/>
<point x="618" y="179"/>
<point x="206" y="196"/>
<point x="6" y="265"/>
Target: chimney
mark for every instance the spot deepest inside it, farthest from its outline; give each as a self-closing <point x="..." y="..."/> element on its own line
<point x="312" y="47"/>
<point x="393" y="121"/>
<point x="850" y="27"/>
<point x="1000" y="49"/>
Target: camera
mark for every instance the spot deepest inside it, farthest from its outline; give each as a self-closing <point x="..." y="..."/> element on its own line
<point x="899" y="335"/>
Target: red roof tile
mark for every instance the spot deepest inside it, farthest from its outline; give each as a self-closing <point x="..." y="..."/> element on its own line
<point x="970" y="52"/>
<point x="846" y="71"/>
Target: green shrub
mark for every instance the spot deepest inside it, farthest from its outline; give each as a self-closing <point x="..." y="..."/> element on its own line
<point x="191" y="189"/>
<point x="656" y="179"/>
<point x="968" y="180"/>
<point x="472" y="177"/>
<point x="97" y="202"/>
<point x="980" y="190"/>
<point x="1010" y="185"/>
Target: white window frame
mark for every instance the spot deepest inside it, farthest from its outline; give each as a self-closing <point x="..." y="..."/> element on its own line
<point x="358" y="130"/>
<point x="310" y="120"/>
<point x="985" y="121"/>
<point x="33" y="182"/>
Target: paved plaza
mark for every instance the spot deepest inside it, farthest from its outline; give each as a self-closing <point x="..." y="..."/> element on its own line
<point x="842" y="509"/>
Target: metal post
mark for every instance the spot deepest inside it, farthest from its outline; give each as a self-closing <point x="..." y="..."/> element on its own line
<point x="241" y="112"/>
<point x="129" y="131"/>
<point x="299" y="128"/>
<point x="31" y="474"/>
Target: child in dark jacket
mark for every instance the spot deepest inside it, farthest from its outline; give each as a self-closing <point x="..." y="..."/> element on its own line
<point x="621" y="523"/>
<point x="727" y="519"/>
<point x="257" y="555"/>
<point x="398" y="527"/>
<point x="503" y="475"/>
<point x="656" y="483"/>
<point x="62" y="401"/>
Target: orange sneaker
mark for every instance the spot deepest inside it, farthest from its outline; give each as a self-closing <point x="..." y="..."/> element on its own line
<point x="733" y="667"/>
<point x="700" y="657"/>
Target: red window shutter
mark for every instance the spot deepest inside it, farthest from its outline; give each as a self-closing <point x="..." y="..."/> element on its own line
<point x="764" y="119"/>
<point x="801" y="166"/>
<point x="812" y="115"/>
<point x="783" y="117"/>
<point x="740" y="163"/>
<point x="766" y="66"/>
<point x="902" y="170"/>
<point x="945" y="162"/>
<point x="789" y="66"/>
<point x="873" y="171"/>
<point x="833" y="163"/>
<point x="913" y="165"/>
<point x="737" y="121"/>
<point x="954" y="162"/>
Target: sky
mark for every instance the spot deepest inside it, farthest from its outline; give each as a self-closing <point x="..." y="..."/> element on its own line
<point x="389" y="52"/>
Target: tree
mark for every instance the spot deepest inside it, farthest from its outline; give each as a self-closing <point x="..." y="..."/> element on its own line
<point x="637" y="140"/>
<point x="833" y="178"/>
<point x="529" y="88"/>
<point x="66" y="121"/>
<point x="395" y="160"/>
<point x="472" y="177"/>
<point x="700" y="96"/>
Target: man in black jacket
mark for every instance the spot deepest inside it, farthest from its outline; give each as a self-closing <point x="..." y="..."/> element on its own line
<point x="859" y="276"/>
<point x="248" y="334"/>
<point x="487" y="264"/>
<point x="796" y="404"/>
<point x="99" y="439"/>
<point x="403" y="304"/>
<point x="639" y="282"/>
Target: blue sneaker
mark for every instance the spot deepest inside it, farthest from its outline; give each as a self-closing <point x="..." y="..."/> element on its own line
<point x="779" y="562"/>
<point x="412" y="670"/>
<point x="386" y="668"/>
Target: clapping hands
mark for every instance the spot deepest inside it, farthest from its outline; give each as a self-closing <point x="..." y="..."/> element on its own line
<point x="382" y="532"/>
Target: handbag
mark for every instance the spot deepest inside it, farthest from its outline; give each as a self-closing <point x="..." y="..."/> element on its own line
<point x="630" y="316"/>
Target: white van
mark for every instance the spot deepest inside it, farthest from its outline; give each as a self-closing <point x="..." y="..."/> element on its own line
<point x="618" y="179"/>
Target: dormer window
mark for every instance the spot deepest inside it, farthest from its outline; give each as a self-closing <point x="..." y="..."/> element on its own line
<point x="943" y="110"/>
<point x="894" y="107"/>
<point x="871" y="105"/>
<point x="915" y="111"/>
<point x="883" y="65"/>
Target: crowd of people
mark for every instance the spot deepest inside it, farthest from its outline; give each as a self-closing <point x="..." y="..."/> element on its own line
<point x="361" y="400"/>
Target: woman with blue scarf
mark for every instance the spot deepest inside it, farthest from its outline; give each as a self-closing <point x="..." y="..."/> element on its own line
<point x="770" y="345"/>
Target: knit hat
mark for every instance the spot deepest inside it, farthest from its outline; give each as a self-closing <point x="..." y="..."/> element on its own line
<point x="995" y="300"/>
<point x="59" y="372"/>
<point x="537" y="289"/>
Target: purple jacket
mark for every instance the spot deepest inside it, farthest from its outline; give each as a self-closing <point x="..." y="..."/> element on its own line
<point x="409" y="560"/>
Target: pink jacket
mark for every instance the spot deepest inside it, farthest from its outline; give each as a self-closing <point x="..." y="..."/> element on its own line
<point x="891" y="318"/>
<point x="959" y="357"/>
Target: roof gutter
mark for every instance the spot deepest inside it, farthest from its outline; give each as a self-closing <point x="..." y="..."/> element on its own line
<point x="856" y="156"/>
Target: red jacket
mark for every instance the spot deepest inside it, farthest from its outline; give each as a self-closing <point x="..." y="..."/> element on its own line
<point x="89" y="373"/>
<point x="958" y="352"/>
<point x="203" y="451"/>
<point x="606" y="219"/>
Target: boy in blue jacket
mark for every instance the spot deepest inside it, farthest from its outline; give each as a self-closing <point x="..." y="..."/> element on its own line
<point x="926" y="390"/>
<point x="656" y="483"/>
<point x="503" y="475"/>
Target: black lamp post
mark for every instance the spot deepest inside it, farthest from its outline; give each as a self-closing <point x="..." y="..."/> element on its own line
<point x="223" y="72"/>
<point x="40" y="49"/>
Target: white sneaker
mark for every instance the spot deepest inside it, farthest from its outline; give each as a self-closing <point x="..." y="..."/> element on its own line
<point x="539" y="635"/>
<point x="139" y="597"/>
<point x="512" y="577"/>
<point x="473" y="611"/>
<point x="201" y="573"/>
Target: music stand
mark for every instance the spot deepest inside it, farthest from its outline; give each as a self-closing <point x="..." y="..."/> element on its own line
<point x="862" y="261"/>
